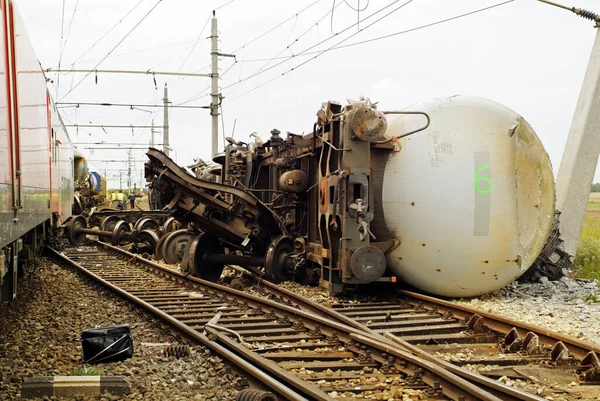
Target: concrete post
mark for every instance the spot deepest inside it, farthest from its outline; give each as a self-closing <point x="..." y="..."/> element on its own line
<point x="166" y="122"/>
<point x="580" y="157"/>
<point x="214" y="104"/>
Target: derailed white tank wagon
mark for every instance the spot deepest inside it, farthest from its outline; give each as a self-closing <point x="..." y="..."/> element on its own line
<point x="471" y="198"/>
<point x="453" y="196"/>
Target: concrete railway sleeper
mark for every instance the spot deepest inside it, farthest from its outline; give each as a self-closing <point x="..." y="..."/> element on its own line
<point x="293" y="353"/>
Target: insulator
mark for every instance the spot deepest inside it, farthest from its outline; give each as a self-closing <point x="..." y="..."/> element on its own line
<point x="178" y="351"/>
<point x="587" y="14"/>
<point x="255" y="395"/>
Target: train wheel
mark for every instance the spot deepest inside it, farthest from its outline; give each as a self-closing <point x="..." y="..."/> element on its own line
<point x="121" y="228"/>
<point x="173" y="247"/>
<point x="146" y="241"/>
<point x="201" y="244"/>
<point x="171" y="225"/>
<point x="108" y="224"/>
<point x="145" y="223"/>
<point x="275" y="261"/>
<point x="73" y="230"/>
<point x="158" y="255"/>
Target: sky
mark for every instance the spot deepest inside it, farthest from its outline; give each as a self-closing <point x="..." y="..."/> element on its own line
<point x="527" y="55"/>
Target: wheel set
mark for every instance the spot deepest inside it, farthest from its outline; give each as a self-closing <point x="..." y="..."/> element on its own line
<point x="197" y="253"/>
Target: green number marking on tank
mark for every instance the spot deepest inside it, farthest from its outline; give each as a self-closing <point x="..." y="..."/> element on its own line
<point x="476" y="180"/>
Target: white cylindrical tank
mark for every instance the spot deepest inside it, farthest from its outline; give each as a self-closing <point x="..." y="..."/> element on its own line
<point x="471" y="198"/>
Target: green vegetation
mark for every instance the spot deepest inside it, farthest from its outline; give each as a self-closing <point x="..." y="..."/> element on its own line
<point x="85" y="371"/>
<point x="587" y="260"/>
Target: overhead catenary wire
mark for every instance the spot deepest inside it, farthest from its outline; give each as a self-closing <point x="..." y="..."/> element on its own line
<point x="277" y="56"/>
<point x="131" y="106"/>
<point x="107" y="32"/>
<point x="114" y="47"/>
<point x="60" y="51"/>
<point x="263" y="69"/>
<point x="259" y="72"/>
<point x="195" y="43"/>
<point x="275" y="27"/>
<point x="377" y="39"/>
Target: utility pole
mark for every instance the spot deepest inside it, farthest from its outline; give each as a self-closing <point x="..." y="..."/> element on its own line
<point x="580" y="158"/>
<point x="120" y="181"/>
<point x="129" y="172"/>
<point x="214" y="104"/>
<point x="166" y="122"/>
<point x="152" y="135"/>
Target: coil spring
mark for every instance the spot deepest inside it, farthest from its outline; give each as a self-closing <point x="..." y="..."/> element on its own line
<point x="255" y="395"/>
<point x="587" y="14"/>
<point x="178" y="351"/>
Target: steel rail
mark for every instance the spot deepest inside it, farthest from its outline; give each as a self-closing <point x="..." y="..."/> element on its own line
<point x="494" y="386"/>
<point x="503" y="324"/>
<point x="241" y="363"/>
<point x="457" y="386"/>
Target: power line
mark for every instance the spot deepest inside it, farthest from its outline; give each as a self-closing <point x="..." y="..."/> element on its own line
<point x="131" y="106"/>
<point x="107" y="32"/>
<point x="379" y="38"/>
<point x="196" y="42"/>
<point x="262" y="69"/>
<point x="106" y="126"/>
<point x="323" y="51"/>
<point x="114" y="47"/>
<point x="269" y="61"/>
<point x="276" y="26"/>
<point x="60" y="51"/>
<point x="147" y="72"/>
<point x="69" y="30"/>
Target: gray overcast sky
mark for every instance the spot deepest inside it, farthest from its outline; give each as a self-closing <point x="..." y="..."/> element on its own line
<point x="526" y="55"/>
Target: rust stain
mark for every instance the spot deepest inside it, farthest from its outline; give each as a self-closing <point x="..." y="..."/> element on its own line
<point x="486" y="261"/>
<point x="412" y="203"/>
<point x="422" y="244"/>
<point x="482" y="272"/>
<point x="437" y="270"/>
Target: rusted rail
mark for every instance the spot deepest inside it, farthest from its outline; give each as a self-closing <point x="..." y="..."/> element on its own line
<point x="295" y="353"/>
<point x="425" y="325"/>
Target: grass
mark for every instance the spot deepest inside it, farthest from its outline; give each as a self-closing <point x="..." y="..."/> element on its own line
<point x="85" y="371"/>
<point x="587" y="261"/>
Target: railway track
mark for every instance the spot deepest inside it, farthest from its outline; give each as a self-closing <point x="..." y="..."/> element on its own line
<point x="293" y="353"/>
<point x="455" y="336"/>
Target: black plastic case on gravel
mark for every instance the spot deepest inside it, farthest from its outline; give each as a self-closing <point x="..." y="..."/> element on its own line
<point x="107" y="344"/>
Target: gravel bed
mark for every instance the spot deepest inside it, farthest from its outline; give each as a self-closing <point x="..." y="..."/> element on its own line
<point x="568" y="306"/>
<point x="39" y="336"/>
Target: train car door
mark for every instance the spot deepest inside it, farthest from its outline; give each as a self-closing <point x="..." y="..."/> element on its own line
<point x="12" y="107"/>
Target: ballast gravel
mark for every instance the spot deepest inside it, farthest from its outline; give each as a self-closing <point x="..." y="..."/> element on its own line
<point x="40" y="332"/>
<point x="568" y="306"/>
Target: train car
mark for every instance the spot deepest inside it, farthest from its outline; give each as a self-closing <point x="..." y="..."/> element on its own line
<point x="36" y="155"/>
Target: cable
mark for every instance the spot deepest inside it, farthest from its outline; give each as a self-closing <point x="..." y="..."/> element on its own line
<point x="277" y="56"/>
<point x="60" y="50"/>
<point x="69" y="30"/>
<point x="276" y="26"/>
<point x="262" y="69"/>
<point x="323" y="51"/>
<point x="226" y="4"/>
<point x="198" y="39"/>
<point x="317" y="44"/>
<point x="117" y="45"/>
<point x="381" y="38"/>
<point x="107" y="32"/>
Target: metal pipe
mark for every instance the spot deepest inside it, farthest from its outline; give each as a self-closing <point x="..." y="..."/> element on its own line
<point x="410" y="132"/>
